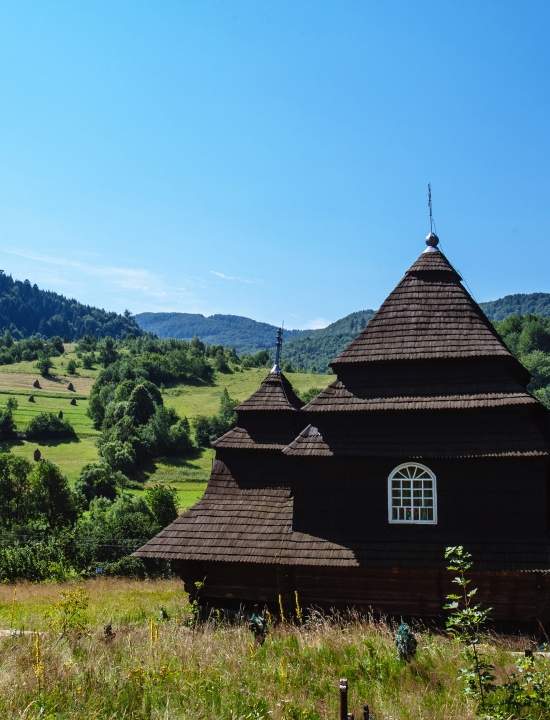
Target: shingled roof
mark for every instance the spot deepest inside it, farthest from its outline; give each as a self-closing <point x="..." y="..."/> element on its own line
<point x="275" y="393"/>
<point x="429" y="315"/>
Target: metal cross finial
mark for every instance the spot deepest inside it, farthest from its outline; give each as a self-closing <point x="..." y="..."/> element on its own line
<point x="277" y="367"/>
<point x="430" y="208"/>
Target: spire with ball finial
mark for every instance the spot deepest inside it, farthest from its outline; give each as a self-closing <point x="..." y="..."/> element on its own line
<point x="277" y="367"/>
<point x="432" y="240"/>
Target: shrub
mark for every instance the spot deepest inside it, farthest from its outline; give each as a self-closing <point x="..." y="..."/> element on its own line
<point x="71" y="367"/>
<point x="49" y="425"/>
<point x="119" y="456"/>
<point x="44" y="365"/>
<point x="162" y="501"/>
<point x="127" y="566"/>
<point x="98" y="480"/>
<point x="7" y="424"/>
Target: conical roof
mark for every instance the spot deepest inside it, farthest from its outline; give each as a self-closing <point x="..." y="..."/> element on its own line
<point x="275" y="393"/>
<point x="429" y="315"/>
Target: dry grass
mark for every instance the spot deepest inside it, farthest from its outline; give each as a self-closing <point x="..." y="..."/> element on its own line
<point x="175" y="672"/>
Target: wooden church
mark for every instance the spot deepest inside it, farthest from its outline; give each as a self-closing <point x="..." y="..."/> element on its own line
<point x="426" y="438"/>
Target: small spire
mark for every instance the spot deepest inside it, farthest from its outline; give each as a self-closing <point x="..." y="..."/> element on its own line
<point x="277" y="367"/>
<point x="432" y="240"/>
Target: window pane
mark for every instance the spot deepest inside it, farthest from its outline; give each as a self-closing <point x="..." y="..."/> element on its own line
<point x="428" y="502"/>
<point x="395" y="484"/>
<point x="394" y="514"/>
<point x="417" y="483"/>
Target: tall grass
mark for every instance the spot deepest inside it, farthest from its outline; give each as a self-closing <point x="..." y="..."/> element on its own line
<point x="156" y="669"/>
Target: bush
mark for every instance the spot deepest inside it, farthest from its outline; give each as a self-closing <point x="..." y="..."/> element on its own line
<point x="127" y="566"/>
<point x="162" y="501"/>
<point x="49" y="425"/>
<point x="44" y="365"/>
<point x="119" y="456"/>
<point x="7" y="424"/>
<point x="98" y="480"/>
<point x="71" y="367"/>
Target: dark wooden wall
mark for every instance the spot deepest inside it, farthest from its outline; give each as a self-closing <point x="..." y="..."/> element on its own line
<point x="501" y="499"/>
<point x="514" y="596"/>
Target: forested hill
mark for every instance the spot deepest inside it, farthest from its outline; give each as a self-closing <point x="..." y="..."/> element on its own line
<point x="241" y="333"/>
<point x="314" y="349"/>
<point x="520" y="304"/>
<point x="26" y="310"/>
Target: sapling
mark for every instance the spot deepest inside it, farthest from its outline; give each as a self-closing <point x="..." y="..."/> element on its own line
<point x="466" y="622"/>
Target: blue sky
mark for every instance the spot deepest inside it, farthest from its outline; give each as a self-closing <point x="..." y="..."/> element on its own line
<point x="270" y="159"/>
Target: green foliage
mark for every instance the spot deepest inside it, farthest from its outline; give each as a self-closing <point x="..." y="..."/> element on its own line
<point x="71" y="367"/>
<point x="162" y="501"/>
<point x="48" y="425"/>
<point x="519" y="304"/>
<point x="113" y="529"/>
<point x="208" y="429"/>
<point x="118" y="456"/>
<point x="141" y="406"/>
<point x="315" y="349"/>
<point x="108" y="353"/>
<point x="52" y="497"/>
<point x="127" y="566"/>
<point x="36" y="559"/>
<point x="7" y="423"/>
<point x="466" y="622"/>
<point x="26" y="310"/>
<point x="69" y="616"/>
<point x="44" y="364"/>
<point x="309" y="394"/>
<point x="99" y="480"/>
<point x="231" y="331"/>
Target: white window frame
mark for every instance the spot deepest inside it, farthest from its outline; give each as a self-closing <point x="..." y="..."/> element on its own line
<point x="432" y="477"/>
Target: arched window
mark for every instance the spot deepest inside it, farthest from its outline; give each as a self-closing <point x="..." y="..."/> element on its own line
<point x="412" y="495"/>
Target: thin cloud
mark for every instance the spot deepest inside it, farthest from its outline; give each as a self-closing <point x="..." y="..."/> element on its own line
<point x="233" y="278"/>
<point x="122" y="277"/>
<point x="317" y="324"/>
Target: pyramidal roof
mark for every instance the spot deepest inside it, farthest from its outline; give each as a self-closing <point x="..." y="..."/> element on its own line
<point x="429" y="315"/>
<point x="275" y="393"/>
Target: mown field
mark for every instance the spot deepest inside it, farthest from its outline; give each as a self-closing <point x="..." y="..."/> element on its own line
<point x="188" y="475"/>
<point x="153" y="668"/>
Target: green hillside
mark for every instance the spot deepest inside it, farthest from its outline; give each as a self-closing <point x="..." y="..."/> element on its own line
<point x="241" y="333"/>
<point x="26" y="310"/>
<point x="519" y="304"/>
<point x="187" y="475"/>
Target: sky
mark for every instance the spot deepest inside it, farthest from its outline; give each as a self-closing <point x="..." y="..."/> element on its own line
<point x="271" y="159"/>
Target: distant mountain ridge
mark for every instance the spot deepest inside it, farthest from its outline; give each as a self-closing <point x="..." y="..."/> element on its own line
<point x="306" y="349"/>
<point x="242" y="333"/>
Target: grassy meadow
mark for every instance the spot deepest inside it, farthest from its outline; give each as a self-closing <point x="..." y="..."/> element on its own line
<point x="153" y="669"/>
<point x="187" y="475"/>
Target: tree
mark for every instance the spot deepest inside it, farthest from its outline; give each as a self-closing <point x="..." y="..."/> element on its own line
<point x="15" y="497"/>
<point x="141" y="406"/>
<point x="203" y="430"/>
<point x="119" y="456"/>
<point x="98" y="480"/>
<point x="162" y="501"/>
<point x="52" y="495"/>
<point x="44" y="364"/>
<point x="7" y="423"/>
<point x="107" y="352"/>
<point x="71" y="367"/>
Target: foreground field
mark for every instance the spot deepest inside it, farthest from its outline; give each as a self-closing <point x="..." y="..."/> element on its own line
<point x="156" y="669"/>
